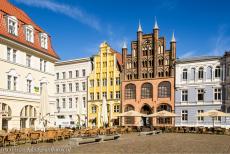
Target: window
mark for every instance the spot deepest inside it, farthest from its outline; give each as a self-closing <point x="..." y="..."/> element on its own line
<point x="57" y="76"/>
<point x="76" y="101"/>
<point x="14" y="55"/>
<point x="200" y="94"/>
<point x="63" y="75"/>
<point x="41" y="61"/>
<point x="91" y="83"/>
<point x="83" y="86"/>
<point x="201" y="73"/>
<point x="111" y="81"/>
<point x="70" y="87"/>
<point x="9" y="82"/>
<point x="29" y="33"/>
<point x="217" y="72"/>
<point x="104" y="94"/>
<point x="184" y="95"/>
<point x="15" y="82"/>
<point x="77" y="86"/>
<point x="98" y="82"/>
<point x="28" y="60"/>
<point x="185" y="74"/>
<point x="228" y="70"/>
<point x="57" y="103"/>
<point x="83" y="72"/>
<point x="104" y="64"/>
<point x="116" y="108"/>
<point x="44" y="40"/>
<point x="104" y="82"/>
<point x="193" y="74"/>
<point x="91" y="96"/>
<point x="130" y="91"/>
<point x="200" y="118"/>
<point x="63" y="88"/>
<point x="13" y="25"/>
<point x="44" y="66"/>
<point x="117" y="81"/>
<point x="63" y="103"/>
<point x="77" y="73"/>
<point x="70" y="74"/>
<point x="8" y="53"/>
<point x="98" y="95"/>
<point x="84" y="99"/>
<point x="164" y="89"/>
<point x="29" y="86"/>
<point x="111" y="94"/>
<point x="57" y="88"/>
<point x="118" y="95"/>
<point x="70" y="103"/>
<point x="94" y="109"/>
<point x="184" y="115"/>
<point x="217" y="94"/>
<point x="209" y="73"/>
<point x="146" y="90"/>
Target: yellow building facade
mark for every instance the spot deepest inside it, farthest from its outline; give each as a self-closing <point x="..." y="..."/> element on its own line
<point x="104" y="82"/>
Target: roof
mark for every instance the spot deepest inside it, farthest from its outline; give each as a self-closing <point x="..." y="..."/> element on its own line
<point x="6" y="8"/>
<point x="197" y="58"/>
<point x="118" y="56"/>
<point x="73" y="61"/>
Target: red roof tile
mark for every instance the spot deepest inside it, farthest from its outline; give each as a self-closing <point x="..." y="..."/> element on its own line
<point x="6" y="8"/>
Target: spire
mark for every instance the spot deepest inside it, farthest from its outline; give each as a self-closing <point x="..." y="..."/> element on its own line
<point x="124" y="46"/>
<point x="139" y="27"/>
<point x="156" y="25"/>
<point x="173" y="37"/>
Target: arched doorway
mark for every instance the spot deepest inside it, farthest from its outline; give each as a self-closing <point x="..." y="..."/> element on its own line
<point x="146" y="121"/>
<point x="129" y="120"/>
<point x="167" y="120"/>
<point x="6" y="116"/>
<point x="28" y="116"/>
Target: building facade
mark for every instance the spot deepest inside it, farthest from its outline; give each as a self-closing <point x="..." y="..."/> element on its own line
<point x="148" y="77"/>
<point x="104" y="82"/>
<point x="71" y="92"/>
<point x="226" y="83"/>
<point x="27" y="68"/>
<point x="199" y="89"/>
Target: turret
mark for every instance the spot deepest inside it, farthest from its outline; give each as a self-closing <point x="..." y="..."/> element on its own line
<point x="139" y="49"/>
<point x="124" y="53"/>
<point x="155" y="45"/>
<point x="173" y="46"/>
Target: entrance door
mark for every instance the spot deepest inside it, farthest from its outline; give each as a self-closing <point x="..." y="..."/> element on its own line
<point x="146" y="121"/>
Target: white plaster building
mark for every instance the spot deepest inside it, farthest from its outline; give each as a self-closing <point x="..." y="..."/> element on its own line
<point x="199" y="89"/>
<point x="71" y="92"/>
<point x="26" y="65"/>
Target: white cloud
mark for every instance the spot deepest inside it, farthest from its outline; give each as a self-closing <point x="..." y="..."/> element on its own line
<point x="67" y="10"/>
<point x="222" y="41"/>
<point x="188" y="54"/>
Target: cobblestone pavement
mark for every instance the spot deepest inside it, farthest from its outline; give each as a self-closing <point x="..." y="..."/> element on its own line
<point x="134" y="144"/>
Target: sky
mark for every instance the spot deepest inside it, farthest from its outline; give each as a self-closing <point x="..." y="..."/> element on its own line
<point x="77" y="27"/>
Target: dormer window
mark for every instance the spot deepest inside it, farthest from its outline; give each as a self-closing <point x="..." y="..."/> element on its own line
<point x="29" y="31"/>
<point x="13" y="25"/>
<point x="44" y="40"/>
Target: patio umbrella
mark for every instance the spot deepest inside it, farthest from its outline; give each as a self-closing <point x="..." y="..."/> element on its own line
<point x="104" y="112"/>
<point x="163" y="113"/>
<point x="131" y="113"/>
<point x="213" y="114"/>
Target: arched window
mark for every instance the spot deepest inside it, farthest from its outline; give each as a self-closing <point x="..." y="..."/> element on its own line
<point x="129" y="120"/>
<point x="201" y="73"/>
<point x="130" y="91"/>
<point x="217" y="72"/>
<point x="193" y="73"/>
<point x="164" y="89"/>
<point x="146" y="90"/>
<point x="185" y="74"/>
<point x="209" y="72"/>
<point x="166" y="107"/>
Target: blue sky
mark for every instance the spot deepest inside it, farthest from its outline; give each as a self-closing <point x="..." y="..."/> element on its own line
<point x="77" y="27"/>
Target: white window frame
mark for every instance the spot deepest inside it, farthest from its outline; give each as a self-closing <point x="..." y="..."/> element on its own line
<point x="44" y="40"/>
<point x="217" y="90"/>
<point x="182" y="94"/>
<point x="29" y="28"/>
<point x="12" y="19"/>
<point x="184" y="112"/>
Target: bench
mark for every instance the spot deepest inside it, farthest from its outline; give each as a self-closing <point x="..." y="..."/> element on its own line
<point x="109" y="137"/>
<point x="84" y="140"/>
